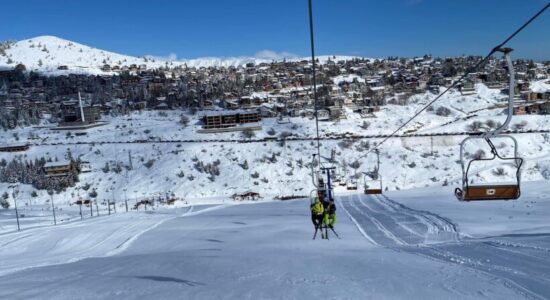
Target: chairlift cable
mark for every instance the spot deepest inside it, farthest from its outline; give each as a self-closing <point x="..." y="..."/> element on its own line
<point x="483" y="61"/>
<point x="312" y="45"/>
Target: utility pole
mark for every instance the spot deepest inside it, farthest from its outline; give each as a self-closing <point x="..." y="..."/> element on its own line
<point x="432" y="144"/>
<point x="53" y="207"/>
<point x="130" y="159"/>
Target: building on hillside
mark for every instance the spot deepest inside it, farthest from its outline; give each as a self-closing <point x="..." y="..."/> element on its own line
<point x="72" y="113"/>
<point x="225" y="119"/>
<point x="106" y="68"/>
<point x="14" y="148"/>
<point x="58" y="169"/>
<point x="248" y="195"/>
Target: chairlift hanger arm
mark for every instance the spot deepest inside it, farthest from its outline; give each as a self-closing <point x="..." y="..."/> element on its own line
<point x="511" y="90"/>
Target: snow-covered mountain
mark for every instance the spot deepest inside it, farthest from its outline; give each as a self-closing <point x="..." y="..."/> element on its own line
<point x="46" y="53"/>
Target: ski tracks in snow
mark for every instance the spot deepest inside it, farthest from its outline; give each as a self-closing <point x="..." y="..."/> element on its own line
<point x="519" y="263"/>
<point x="388" y="223"/>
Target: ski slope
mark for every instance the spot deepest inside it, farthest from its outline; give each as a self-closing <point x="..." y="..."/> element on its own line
<point x="418" y="244"/>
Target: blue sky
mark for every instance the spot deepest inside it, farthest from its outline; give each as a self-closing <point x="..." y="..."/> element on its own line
<point x="198" y="28"/>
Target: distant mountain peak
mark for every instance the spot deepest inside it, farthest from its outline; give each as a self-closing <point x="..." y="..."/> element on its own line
<point x="47" y="53"/>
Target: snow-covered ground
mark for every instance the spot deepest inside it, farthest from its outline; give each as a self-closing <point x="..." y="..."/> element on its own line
<point x="420" y="244"/>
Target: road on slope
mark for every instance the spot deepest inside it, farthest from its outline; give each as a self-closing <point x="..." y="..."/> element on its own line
<point x="265" y="251"/>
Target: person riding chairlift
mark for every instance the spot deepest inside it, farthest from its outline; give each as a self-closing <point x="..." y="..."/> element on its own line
<point x="317" y="212"/>
<point x="329" y="214"/>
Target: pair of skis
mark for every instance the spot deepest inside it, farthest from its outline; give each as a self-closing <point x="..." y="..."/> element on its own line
<point x="325" y="235"/>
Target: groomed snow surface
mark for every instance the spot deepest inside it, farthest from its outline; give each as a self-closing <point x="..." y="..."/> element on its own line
<point x="418" y="244"/>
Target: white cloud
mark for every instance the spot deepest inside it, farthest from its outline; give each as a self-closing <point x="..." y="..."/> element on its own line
<point x="170" y="57"/>
<point x="273" y="55"/>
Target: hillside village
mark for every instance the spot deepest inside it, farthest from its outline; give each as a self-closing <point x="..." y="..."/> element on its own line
<point x="270" y="89"/>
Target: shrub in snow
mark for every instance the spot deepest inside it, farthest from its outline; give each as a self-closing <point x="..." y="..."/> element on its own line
<point x="244" y="165"/>
<point x="34" y="194"/>
<point x="521" y="125"/>
<point x="248" y="133"/>
<point x="86" y="187"/>
<point x="184" y="120"/>
<point x="283" y="135"/>
<point x="479" y="154"/>
<point x="355" y="165"/>
<point x="475" y="126"/>
<point x="492" y="124"/>
<point x="149" y="163"/>
<point x="106" y="168"/>
<point x="255" y="175"/>
<point x="499" y="172"/>
<point x="272" y="159"/>
<point x="271" y="131"/>
<point x="412" y="165"/>
<point x="4" y="201"/>
<point x="345" y="144"/>
<point x="443" y="111"/>
<point x="93" y="193"/>
<point x="365" y="125"/>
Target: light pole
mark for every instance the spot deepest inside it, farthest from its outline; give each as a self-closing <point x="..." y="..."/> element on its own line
<point x="79" y="202"/>
<point x="135" y="196"/>
<point x="144" y="200"/>
<point x="114" y="201"/>
<point x="14" y="191"/>
<point x="50" y="192"/>
<point x="125" y="199"/>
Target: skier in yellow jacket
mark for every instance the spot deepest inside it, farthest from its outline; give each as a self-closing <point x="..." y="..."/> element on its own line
<point x="317" y="213"/>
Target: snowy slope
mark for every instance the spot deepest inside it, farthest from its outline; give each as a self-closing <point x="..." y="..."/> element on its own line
<point x="46" y="53"/>
<point x="388" y="250"/>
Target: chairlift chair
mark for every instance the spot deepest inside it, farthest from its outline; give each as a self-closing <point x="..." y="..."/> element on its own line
<point x="351" y="185"/>
<point x="373" y="186"/>
<point x="493" y="191"/>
